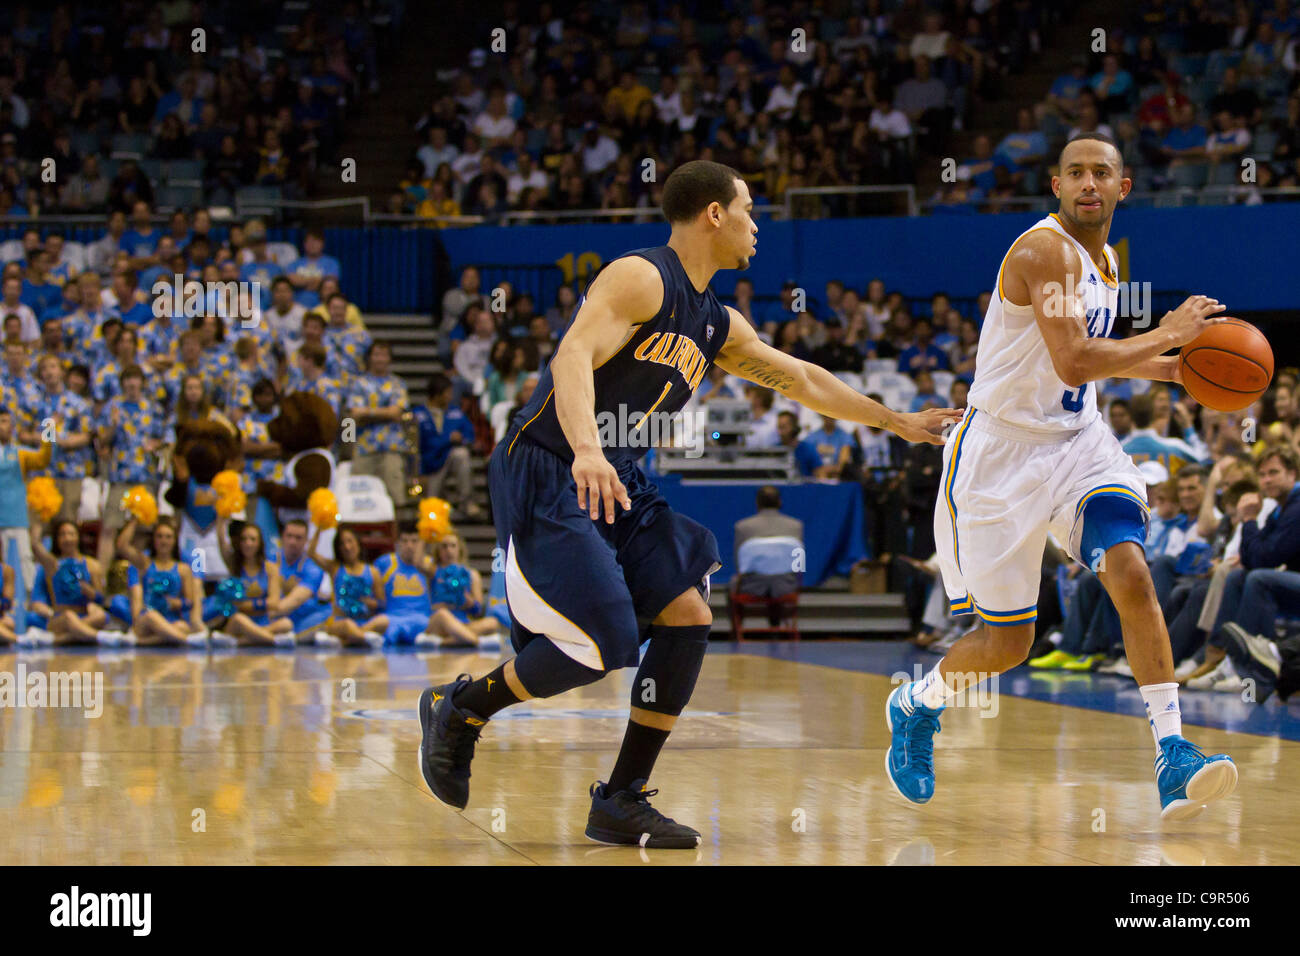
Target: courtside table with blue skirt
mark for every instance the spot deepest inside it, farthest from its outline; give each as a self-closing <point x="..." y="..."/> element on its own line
<point x="832" y="516"/>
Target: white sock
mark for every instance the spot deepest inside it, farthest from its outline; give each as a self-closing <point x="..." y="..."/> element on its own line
<point x="931" y="691"/>
<point x="1162" y="710"/>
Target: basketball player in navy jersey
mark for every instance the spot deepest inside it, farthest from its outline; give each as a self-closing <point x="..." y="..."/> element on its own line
<point x="596" y="561"/>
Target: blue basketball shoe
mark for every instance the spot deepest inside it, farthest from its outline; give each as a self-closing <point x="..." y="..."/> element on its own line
<point x="1188" y="779"/>
<point x="910" y="759"/>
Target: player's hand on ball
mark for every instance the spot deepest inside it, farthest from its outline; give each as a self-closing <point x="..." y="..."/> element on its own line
<point x="597" y="481"/>
<point x="928" y="426"/>
<point x="1192" y="318"/>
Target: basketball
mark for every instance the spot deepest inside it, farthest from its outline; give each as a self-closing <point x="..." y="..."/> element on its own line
<point x="1228" y="366"/>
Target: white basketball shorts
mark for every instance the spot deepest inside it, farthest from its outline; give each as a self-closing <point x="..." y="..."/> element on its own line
<point x="1002" y="490"/>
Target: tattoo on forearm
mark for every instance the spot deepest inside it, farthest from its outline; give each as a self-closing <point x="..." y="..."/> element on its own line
<point x="757" y="370"/>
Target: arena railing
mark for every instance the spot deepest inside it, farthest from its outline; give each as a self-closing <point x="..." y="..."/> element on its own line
<point x="903" y="201"/>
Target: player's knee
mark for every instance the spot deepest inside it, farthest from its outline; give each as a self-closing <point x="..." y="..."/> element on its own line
<point x="688" y="609"/>
<point x="1127" y="577"/>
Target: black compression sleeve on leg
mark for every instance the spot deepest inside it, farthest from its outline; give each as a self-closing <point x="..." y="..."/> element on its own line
<point x="545" y="670"/>
<point x="666" y="678"/>
<point x="664" y="684"/>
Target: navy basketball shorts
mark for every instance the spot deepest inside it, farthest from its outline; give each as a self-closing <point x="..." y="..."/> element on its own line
<point x="589" y="586"/>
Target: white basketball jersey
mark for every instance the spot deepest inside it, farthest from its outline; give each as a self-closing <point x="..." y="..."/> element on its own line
<point x="1015" y="380"/>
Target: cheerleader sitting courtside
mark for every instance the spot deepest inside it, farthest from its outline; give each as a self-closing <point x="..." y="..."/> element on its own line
<point x="457" y="594"/>
<point x="77" y="583"/>
<point x="244" y="607"/>
<point x="358" y="618"/>
<point x="166" y="598"/>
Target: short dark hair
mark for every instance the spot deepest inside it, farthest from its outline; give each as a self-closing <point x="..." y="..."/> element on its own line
<point x="297" y="521"/>
<point x="378" y="344"/>
<point x="1289" y="460"/>
<point x="1199" y="472"/>
<point x="407" y="527"/>
<point x="314" y="353"/>
<point x="131" y="371"/>
<point x="691" y="187"/>
<point x="769" y="497"/>
<point x="437" y="384"/>
<point x="1142" y="408"/>
<point x="1232" y="494"/>
<point x="1101" y="138"/>
<point x="1122" y="402"/>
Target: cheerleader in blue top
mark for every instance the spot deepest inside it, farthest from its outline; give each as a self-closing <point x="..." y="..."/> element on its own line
<point x="456" y="592"/>
<point x="359" y="619"/>
<point x="246" y="606"/>
<point x="166" y="598"/>
<point x="77" y="583"/>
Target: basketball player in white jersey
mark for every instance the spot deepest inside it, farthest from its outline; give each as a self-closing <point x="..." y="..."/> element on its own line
<point x="1031" y="455"/>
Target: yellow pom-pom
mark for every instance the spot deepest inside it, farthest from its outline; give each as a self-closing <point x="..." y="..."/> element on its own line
<point x="44" y="497"/>
<point x="231" y="503"/>
<point x="323" y="508"/>
<point x="226" y="482"/>
<point x="140" y="503"/>
<point x="435" y="518"/>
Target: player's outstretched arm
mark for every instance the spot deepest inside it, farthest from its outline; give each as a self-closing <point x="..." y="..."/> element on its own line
<point x="1042" y="271"/>
<point x="748" y="356"/>
<point x="627" y="293"/>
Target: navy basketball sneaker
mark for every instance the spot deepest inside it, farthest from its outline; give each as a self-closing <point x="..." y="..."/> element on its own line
<point x="1188" y="779"/>
<point x="447" y="744"/>
<point x="909" y="762"/>
<point x="627" y="819"/>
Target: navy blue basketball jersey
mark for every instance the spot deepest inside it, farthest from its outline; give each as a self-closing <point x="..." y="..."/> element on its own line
<point x="655" y="371"/>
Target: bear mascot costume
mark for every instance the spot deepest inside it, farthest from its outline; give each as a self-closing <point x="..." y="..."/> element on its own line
<point x="304" y="429"/>
<point x="203" y="448"/>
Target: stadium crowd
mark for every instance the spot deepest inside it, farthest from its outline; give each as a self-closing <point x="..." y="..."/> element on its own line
<point x="173" y="104"/>
<point x="1188" y="89"/>
<point x="789" y="97"/>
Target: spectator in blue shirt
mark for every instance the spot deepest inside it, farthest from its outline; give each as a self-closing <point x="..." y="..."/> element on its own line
<point x="825" y="452"/>
<point x="1185" y="142"/>
<point x="1113" y="86"/>
<point x="40" y="292"/>
<point x="922" y="353"/>
<point x="182" y="101"/>
<point x="781" y="311"/>
<point x="925" y="393"/>
<point x="1064" y="94"/>
<point x="987" y="171"/>
<point x="306" y="273"/>
<point x="446" y="435"/>
<point x="1026" y="147"/>
<point x="140" y="241"/>
<point x="262" y="270"/>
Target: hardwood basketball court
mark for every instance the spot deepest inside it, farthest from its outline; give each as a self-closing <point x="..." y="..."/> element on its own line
<point x="309" y="757"/>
